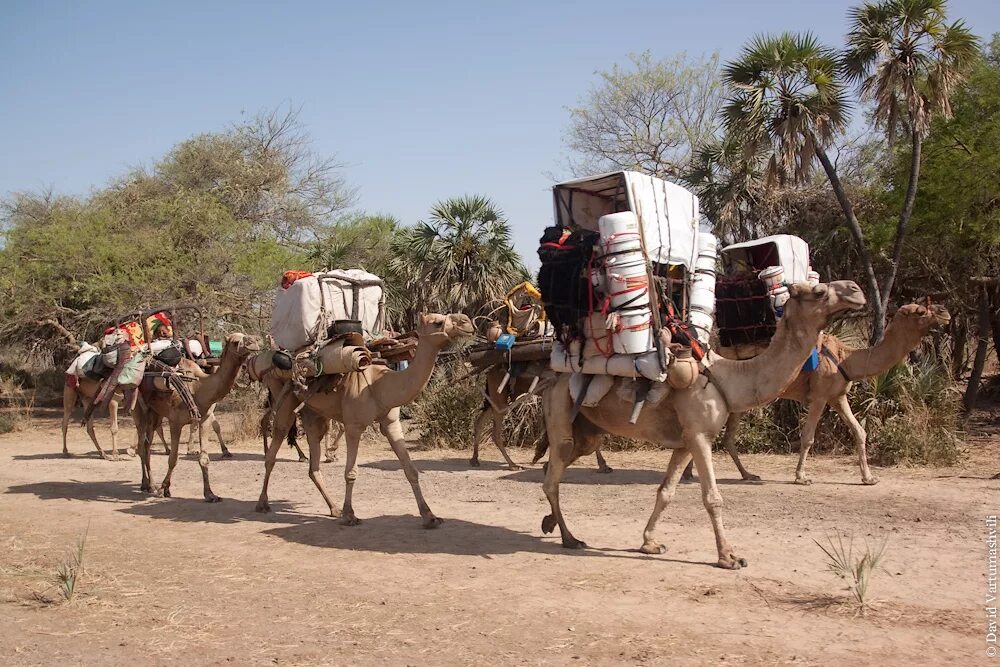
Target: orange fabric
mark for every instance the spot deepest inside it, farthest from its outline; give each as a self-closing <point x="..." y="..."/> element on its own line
<point x="289" y="277"/>
<point x="132" y="331"/>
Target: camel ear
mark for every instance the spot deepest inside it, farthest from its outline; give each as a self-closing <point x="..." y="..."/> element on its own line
<point x="795" y="291"/>
<point x="819" y="290"/>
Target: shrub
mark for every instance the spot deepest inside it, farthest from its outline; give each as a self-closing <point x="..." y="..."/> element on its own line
<point x="444" y="411"/>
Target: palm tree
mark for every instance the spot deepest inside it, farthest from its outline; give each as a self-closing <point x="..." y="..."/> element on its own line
<point x="906" y="59"/>
<point x="786" y="96"/>
<point x="460" y="260"/>
<point x="730" y="187"/>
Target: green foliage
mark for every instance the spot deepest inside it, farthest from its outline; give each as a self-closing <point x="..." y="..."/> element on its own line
<point x="785" y="93"/>
<point x="214" y="222"/>
<point x="907" y="59"/>
<point x="445" y="410"/>
<point x="856" y="568"/>
<point x="460" y="260"/>
<point x="70" y="571"/>
<point x="955" y="229"/>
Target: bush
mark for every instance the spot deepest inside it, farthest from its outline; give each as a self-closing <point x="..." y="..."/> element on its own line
<point x="444" y="411"/>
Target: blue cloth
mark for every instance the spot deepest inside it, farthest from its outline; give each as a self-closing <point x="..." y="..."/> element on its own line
<point x="812" y="363"/>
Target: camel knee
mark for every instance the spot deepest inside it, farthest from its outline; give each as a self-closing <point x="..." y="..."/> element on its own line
<point x="713" y="501"/>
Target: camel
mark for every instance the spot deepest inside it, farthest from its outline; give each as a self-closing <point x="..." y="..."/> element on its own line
<point x="688" y="420"/>
<point x="207" y="390"/>
<point x="831" y="382"/>
<point x="496" y="404"/>
<point x="357" y="400"/>
<point x="86" y="389"/>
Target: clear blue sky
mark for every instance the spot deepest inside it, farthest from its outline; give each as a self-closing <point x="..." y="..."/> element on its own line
<point x="421" y="100"/>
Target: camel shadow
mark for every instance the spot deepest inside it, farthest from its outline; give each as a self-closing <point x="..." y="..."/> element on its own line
<point x="59" y="455"/>
<point x="106" y="491"/>
<point x="196" y="510"/>
<point x="403" y="534"/>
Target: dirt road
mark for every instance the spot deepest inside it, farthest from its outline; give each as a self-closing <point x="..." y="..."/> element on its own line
<point x="179" y="581"/>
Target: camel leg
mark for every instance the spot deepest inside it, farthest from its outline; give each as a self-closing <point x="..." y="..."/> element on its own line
<point x="92" y="434"/>
<point x="226" y="454"/>
<point x="159" y="430"/>
<point x="293" y="440"/>
<point x="701" y="450"/>
<point x="113" y="413"/>
<point x="729" y="442"/>
<point x="333" y="438"/>
<point x="282" y="419"/>
<point x="316" y="428"/>
<point x="352" y="434"/>
<point x="69" y="402"/>
<point x="393" y="431"/>
<point x="843" y="408"/>
<point x="602" y="465"/>
<point x="145" y="435"/>
<point x="175" y="448"/>
<point x="561" y="446"/>
<point x="806" y="437"/>
<point x="478" y="427"/>
<point x="203" y="462"/>
<point x="664" y="495"/>
<point x="501" y="441"/>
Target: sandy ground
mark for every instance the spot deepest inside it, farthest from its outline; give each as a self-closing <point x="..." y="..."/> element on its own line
<point x="179" y="581"/>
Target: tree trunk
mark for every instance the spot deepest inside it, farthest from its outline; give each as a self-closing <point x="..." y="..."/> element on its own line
<point x="960" y="339"/>
<point x="904" y="218"/>
<point x="874" y="295"/>
<point x="995" y="319"/>
<point x="982" y="347"/>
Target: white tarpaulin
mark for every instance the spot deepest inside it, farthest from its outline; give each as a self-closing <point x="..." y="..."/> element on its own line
<point x="667" y="212"/>
<point x="784" y="250"/>
<point x="303" y="312"/>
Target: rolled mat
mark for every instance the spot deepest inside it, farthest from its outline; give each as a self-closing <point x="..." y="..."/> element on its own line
<point x="333" y="359"/>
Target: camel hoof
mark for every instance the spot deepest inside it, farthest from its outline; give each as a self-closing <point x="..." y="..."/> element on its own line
<point x="162" y="493"/>
<point x="131" y="452"/>
<point x="751" y="478"/>
<point x="513" y="466"/>
<point x="870" y="481"/>
<point x="573" y="543"/>
<point x="548" y="524"/>
<point x="67" y="454"/>
<point x="803" y="481"/>
<point x="350" y="521"/>
<point x="227" y="454"/>
<point x="212" y="498"/>
<point x="262" y="507"/>
<point x="606" y="470"/>
<point x="433" y="522"/>
<point x="732" y="563"/>
<point x="474" y="463"/>
<point x="653" y="548"/>
<point x="146" y="488"/>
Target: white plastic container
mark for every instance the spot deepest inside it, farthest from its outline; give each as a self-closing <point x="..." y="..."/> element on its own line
<point x="701" y="314"/>
<point x="628" y="284"/>
<point x="812" y="278"/>
<point x="633" y="332"/>
<point x="772" y="276"/>
<point x="779" y="297"/>
<point x="620" y="245"/>
<point x="617" y="223"/>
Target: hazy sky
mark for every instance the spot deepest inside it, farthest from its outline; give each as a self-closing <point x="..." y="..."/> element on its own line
<point x="421" y="100"/>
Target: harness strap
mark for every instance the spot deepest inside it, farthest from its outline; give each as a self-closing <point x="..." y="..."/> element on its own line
<point x="830" y="355"/>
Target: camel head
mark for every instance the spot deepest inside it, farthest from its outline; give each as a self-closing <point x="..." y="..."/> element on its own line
<point x="816" y="304"/>
<point x="922" y="318"/>
<point x="241" y="345"/>
<point x="444" y="329"/>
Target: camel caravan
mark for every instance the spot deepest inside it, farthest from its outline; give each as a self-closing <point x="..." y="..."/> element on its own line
<point x="640" y="326"/>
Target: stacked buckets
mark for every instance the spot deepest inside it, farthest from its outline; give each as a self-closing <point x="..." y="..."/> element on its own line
<point x="626" y="282"/>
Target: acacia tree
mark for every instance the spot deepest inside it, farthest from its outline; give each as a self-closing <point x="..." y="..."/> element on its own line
<point x="785" y="95"/>
<point x="907" y="60"/>
<point x="646" y="116"/>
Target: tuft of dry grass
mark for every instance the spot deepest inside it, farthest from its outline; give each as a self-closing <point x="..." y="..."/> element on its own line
<point x="70" y="571"/>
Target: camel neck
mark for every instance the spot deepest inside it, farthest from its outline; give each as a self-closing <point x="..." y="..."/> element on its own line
<point x="759" y="381"/>
<point x="212" y="389"/>
<point x="405" y="385"/>
<point x="899" y="340"/>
